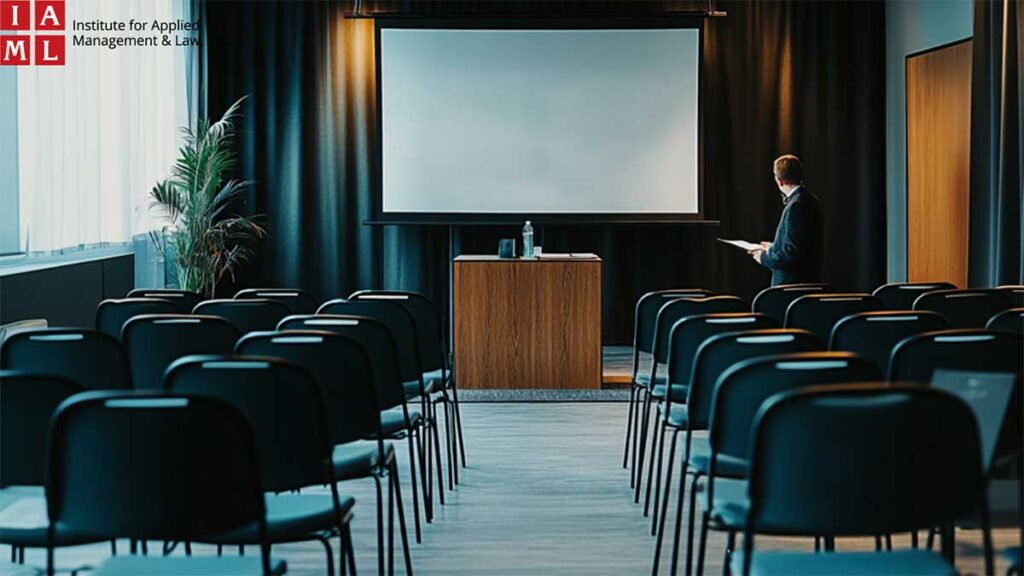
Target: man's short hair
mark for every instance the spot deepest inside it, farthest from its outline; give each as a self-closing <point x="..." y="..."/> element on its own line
<point x="789" y="170"/>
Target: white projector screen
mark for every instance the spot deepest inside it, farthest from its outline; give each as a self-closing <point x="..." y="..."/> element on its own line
<point x="539" y="121"/>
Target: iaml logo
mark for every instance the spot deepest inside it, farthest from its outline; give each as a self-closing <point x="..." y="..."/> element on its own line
<point x="32" y="17"/>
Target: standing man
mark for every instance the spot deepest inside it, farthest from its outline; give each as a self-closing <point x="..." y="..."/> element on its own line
<point x="794" y="257"/>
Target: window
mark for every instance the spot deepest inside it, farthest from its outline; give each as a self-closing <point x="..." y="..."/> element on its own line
<point x="93" y="136"/>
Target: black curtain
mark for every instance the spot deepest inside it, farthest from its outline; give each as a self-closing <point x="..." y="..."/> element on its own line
<point x="996" y="249"/>
<point x="781" y="77"/>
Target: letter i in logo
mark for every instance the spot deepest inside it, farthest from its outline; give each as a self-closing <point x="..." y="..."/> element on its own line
<point x="15" y="16"/>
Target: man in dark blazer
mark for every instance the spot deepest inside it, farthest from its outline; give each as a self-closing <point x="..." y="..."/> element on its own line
<point x="794" y="256"/>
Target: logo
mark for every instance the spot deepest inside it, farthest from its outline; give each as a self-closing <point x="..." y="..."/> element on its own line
<point x="32" y="32"/>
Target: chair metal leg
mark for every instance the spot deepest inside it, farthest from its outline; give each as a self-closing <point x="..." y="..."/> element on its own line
<point x="425" y="482"/>
<point x="664" y="500"/>
<point x="455" y="439"/>
<point x="888" y="542"/>
<point x="629" y="425"/>
<point x="435" y="426"/>
<point x="403" y="532"/>
<point x="645" y="421"/>
<point x="330" y="554"/>
<point x="449" y="441"/>
<point x="412" y="476"/>
<point x="702" y="547"/>
<point x="690" y="527"/>
<point x="730" y="545"/>
<point x="657" y="479"/>
<point x="380" y="525"/>
<point x="656" y="438"/>
<point x="458" y="420"/>
<point x="636" y="437"/>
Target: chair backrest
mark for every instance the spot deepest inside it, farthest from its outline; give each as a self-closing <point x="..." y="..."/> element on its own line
<point x="284" y="406"/>
<point x="719" y="353"/>
<point x="174" y="468"/>
<point x="153" y="342"/>
<point x="915" y="358"/>
<point x="687" y="335"/>
<point x="1011" y="320"/>
<point x="433" y="351"/>
<point x="742" y="389"/>
<point x="299" y="301"/>
<point x="675" y="310"/>
<point x="964" y="308"/>
<point x="646" y="313"/>
<point x="12" y="328"/>
<point x="111" y="315"/>
<point x="375" y="338"/>
<point x="874" y="334"/>
<point x="339" y="364"/>
<point x="91" y="359"/>
<point x="901" y="295"/>
<point x="863" y="460"/>
<point x="248" y="315"/>
<point x="397" y="319"/>
<point x="183" y="299"/>
<point x="1014" y="293"/>
<point x="818" y="313"/>
<point x="29" y="401"/>
<point x="774" y="300"/>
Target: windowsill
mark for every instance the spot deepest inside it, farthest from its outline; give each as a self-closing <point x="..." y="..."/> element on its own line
<point x="22" y="264"/>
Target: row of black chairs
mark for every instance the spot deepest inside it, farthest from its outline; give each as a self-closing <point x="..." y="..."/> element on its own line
<point x="350" y="352"/>
<point x="701" y="343"/>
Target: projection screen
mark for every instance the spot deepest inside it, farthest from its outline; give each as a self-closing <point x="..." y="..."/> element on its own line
<point x="508" y="123"/>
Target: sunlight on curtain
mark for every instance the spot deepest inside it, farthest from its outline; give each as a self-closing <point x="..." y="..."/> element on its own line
<point x="96" y="134"/>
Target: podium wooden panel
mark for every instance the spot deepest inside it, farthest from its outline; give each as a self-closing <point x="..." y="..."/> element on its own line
<point x="527" y="323"/>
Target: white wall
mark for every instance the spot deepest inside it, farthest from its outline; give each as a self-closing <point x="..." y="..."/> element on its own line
<point x="910" y="26"/>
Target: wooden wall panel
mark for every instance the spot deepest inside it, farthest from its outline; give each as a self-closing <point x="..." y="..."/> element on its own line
<point x="938" y="163"/>
<point x="527" y="324"/>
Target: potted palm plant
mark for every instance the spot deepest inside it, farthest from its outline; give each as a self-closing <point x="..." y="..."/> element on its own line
<point x="206" y="236"/>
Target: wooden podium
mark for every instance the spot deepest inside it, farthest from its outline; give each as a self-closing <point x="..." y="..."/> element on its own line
<point x="527" y="323"/>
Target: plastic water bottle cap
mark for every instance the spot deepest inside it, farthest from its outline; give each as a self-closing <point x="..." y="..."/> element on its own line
<point x="527" y="222"/>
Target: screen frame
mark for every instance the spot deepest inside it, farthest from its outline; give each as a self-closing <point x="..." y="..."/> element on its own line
<point x="536" y="23"/>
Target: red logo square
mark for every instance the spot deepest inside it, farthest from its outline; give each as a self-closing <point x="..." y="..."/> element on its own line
<point x="49" y="15"/>
<point x="16" y="15"/>
<point x="14" y="50"/>
<point x="49" y="50"/>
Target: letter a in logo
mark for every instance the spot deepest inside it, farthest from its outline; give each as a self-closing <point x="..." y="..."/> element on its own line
<point x="50" y="15"/>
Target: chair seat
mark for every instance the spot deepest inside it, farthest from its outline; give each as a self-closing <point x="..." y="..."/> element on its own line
<point x="358" y="459"/>
<point x="679" y="392"/>
<point x="436" y="378"/>
<point x="725" y="466"/>
<point x="644" y="377"/>
<point x="676" y="416"/>
<point x="293" y="517"/>
<point x="393" y="421"/>
<point x="730" y="501"/>
<point x="412" y="388"/>
<point x="23" y="519"/>
<point x="907" y="562"/>
<point x="187" y="566"/>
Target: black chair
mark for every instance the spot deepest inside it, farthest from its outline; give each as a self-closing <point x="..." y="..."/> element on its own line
<point x="299" y="301"/>
<point x="739" y="394"/>
<point x="670" y="313"/>
<point x="914" y="462"/>
<point x="402" y="325"/>
<point x="685" y="339"/>
<point x="819" y="313"/>
<point x="644" y="322"/>
<point x="91" y="359"/>
<point x="248" y="315"/>
<point x="175" y="468"/>
<point x="1011" y="320"/>
<point x="1014" y="293"/>
<point x="183" y="299"/>
<point x="397" y="421"/>
<point x="916" y="358"/>
<point x="111" y="315"/>
<point x="285" y="407"/>
<point x="874" y="334"/>
<point x="435" y="359"/>
<point x="775" y="300"/>
<point x="153" y="342"/>
<point x="964" y="308"/>
<point x="901" y="295"/>
<point x="713" y="358"/>
<point x="29" y="401"/>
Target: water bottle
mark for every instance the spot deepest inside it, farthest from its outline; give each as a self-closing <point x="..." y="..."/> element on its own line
<point x="527" y="240"/>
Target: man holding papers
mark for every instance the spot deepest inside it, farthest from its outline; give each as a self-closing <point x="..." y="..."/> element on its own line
<point x="794" y="256"/>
